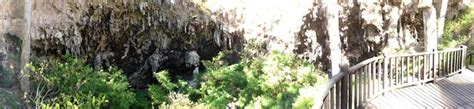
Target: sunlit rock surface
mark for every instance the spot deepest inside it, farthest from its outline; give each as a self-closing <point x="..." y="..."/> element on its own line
<point x="145" y="36"/>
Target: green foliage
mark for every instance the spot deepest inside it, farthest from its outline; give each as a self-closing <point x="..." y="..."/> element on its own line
<point x="6" y="77"/>
<point x="271" y="81"/>
<point x="303" y="102"/>
<point x="457" y="31"/>
<point x="79" y="85"/>
<point x="274" y="80"/>
<point x="7" y="100"/>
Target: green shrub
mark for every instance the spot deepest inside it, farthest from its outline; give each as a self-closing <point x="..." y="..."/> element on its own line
<point x="164" y="94"/>
<point x="77" y="84"/>
<point x="457" y="31"/>
<point x="271" y="81"/>
<point x="274" y="80"/>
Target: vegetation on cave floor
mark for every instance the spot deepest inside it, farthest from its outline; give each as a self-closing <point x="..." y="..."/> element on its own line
<point x="274" y="80"/>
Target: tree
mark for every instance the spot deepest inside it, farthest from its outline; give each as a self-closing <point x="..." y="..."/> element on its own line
<point x="441" y="17"/>
<point x="332" y="15"/>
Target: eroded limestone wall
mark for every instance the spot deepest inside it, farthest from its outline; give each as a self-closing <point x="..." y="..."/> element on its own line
<point x="366" y="28"/>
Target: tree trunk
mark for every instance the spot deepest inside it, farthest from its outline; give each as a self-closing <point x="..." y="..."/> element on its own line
<point x="431" y="35"/>
<point x="430" y="27"/>
<point x="332" y="15"/>
<point x="26" y="48"/>
<point x="441" y="17"/>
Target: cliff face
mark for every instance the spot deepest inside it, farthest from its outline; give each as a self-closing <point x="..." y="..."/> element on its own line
<point x="367" y="27"/>
<point x="138" y="37"/>
<point x="145" y="36"/>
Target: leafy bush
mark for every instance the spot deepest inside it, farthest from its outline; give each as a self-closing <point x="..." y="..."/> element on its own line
<point x="274" y="80"/>
<point x="457" y="31"/>
<point x="271" y="81"/>
<point x="75" y="84"/>
<point x="167" y="94"/>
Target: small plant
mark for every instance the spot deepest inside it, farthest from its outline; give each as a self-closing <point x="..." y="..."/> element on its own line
<point x="72" y="83"/>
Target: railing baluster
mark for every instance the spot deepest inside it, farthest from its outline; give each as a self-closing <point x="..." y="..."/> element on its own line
<point x="413" y="65"/>
<point x="332" y="97"/>
<point x="432" y="61"/>
<point x="426" y="67"/>
<point x="437" y="66"/>
<point x="455" y="62"/>
<point x="326" y="103"/>
<point x="385" y="72"/>
<point x="392" y="81"/>
<point x="364" y="83"/>
<point x="463" y="57"/>
<point x="448" y="62"/>
<point x="459" y="60"/>
<point x="380" y="76"/>
<point x="357" y="87"/>
<point x="338" y="95"/>
<point x="434" y="66"/>
<point x="444" y="63"/>
<point x="456" y="59"/>
<point x="396" y="70"/>
<point x="344" y="92"/>
<point x="360" y="88"/>
<point x="430" y="64"/>
<point x="402" y="72"/>
<point x="418" y="62"/>
<point x="451" y="62"/>
<point x="355" y="93"/>
<point x="374" y="77"/>
<point x="369" y="80"/>
<point x="350" y="92"/>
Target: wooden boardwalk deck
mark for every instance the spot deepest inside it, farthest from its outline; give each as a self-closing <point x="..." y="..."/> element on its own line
<point x="455" y="92"/>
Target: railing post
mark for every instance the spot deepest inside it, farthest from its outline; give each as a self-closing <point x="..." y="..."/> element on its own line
<point x="344" y="92"/>
<point x="435" y="66"/>
<point x="345" y="86"/>
<point x="463" y="56"/>
<point x="385" y="71"/>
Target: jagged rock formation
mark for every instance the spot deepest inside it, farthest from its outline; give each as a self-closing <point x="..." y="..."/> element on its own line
<point x="367" y="27"/>
<point x="144" y="36"/>
<point x="140" y="38"/>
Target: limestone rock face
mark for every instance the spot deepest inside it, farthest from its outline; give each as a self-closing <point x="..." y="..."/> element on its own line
<point x="9" y="59"/>
<point x="192" y="59"/>
<point x="138" y="37"/>
<point x="145" y="36"/>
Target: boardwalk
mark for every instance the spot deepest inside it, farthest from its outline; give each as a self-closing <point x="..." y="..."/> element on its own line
<point x="395" y="81"/>
<point x="456" y="91"/>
